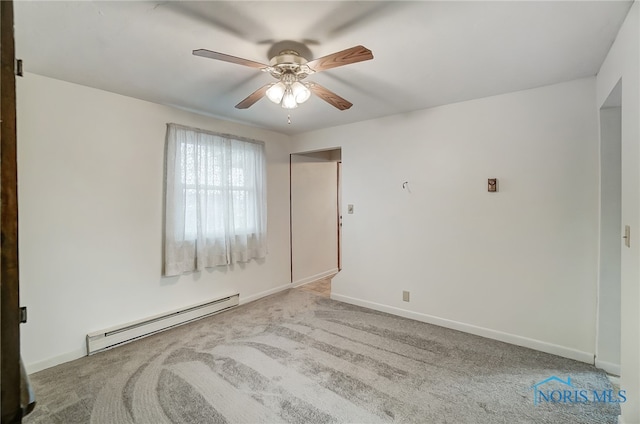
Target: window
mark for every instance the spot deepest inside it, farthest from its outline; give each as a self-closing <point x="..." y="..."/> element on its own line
<point x="215" y="210"/>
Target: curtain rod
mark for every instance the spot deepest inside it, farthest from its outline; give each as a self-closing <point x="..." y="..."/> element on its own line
<point x="217" y="134"/>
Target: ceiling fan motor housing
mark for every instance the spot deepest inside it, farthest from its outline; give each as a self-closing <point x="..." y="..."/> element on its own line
<point x="289" y="61"/>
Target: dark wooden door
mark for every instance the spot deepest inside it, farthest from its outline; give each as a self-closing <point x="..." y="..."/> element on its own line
<point x="11" y="409"/>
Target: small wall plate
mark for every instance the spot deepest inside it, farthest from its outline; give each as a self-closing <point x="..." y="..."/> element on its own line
<point x="492" y="185"/>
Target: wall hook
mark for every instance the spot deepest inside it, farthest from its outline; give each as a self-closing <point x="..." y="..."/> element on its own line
<point x="404" y="184"/>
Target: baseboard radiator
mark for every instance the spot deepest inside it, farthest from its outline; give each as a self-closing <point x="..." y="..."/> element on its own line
<point x="105" y="339"/>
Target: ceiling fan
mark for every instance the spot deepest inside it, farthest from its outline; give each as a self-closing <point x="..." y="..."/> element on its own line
<point x="290" y="68"/>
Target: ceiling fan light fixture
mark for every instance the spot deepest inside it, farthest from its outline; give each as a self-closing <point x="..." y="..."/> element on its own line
<point x="289" y="100"/>
<point x="290" y="68"/>
<point x="276" y="92"/>
<point x="300" y="92"/>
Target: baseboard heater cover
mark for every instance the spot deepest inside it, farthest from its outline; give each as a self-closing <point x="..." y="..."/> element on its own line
<point x="105" y="339"/>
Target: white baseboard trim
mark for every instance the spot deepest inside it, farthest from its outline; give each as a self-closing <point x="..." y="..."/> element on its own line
<point x="56" y="360"/>
<point x="609" y="367"/>
<point x="539" y="345"/>
<point x="297" y="283"/>
<point x="265" y="293"/>
<point x="314" y="278"/>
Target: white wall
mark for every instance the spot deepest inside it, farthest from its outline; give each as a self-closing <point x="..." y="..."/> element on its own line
<point x="90" y="171"/>
<point x="314" y="224"/>
<point x="608" y="332"/>
<point x="623" y="62"/>
<point x="519" y="265"/>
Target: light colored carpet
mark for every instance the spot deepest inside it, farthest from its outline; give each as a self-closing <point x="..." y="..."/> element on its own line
<point x="320" y="287"/>
<point x="298" y="357"/>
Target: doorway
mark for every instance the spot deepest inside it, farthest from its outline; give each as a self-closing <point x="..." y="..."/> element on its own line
<point x="609" y="279"/>
<point x="315" y="215"/>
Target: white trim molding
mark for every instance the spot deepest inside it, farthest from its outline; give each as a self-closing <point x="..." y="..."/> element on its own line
<point x="539" y="345"/>
<point x="56" y="360"/>
<point x="313" y="278"/>
<point x="609" y="367"/>
<point x="265" y="293"/>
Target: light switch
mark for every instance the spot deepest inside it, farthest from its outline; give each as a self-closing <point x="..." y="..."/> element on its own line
<point x="350" y="209"/>
<point x="627" y="236"/>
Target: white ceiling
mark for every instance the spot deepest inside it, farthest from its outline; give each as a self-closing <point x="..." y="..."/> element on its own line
<point x="426" y="53"/>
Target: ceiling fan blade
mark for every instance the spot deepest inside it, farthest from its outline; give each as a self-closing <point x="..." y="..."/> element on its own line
<point x="344" y="57"/>
<point x="253" y="97"/>
<point x="330" y="97"/>
<point x="228" y="58"/>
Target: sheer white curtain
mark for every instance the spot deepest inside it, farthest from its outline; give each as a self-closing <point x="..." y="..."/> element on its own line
<point x="216" y="209"/>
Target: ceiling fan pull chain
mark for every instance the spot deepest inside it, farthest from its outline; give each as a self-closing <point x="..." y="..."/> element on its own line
<point x="288" y="119"/>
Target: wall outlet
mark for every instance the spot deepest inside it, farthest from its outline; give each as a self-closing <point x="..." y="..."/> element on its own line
<point x="405" y="296"/>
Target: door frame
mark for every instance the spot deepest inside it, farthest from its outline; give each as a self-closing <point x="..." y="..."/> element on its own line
<point x="338" y="206"/>
<point x="609" y="255"/>
<point x="10" y="366"/>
